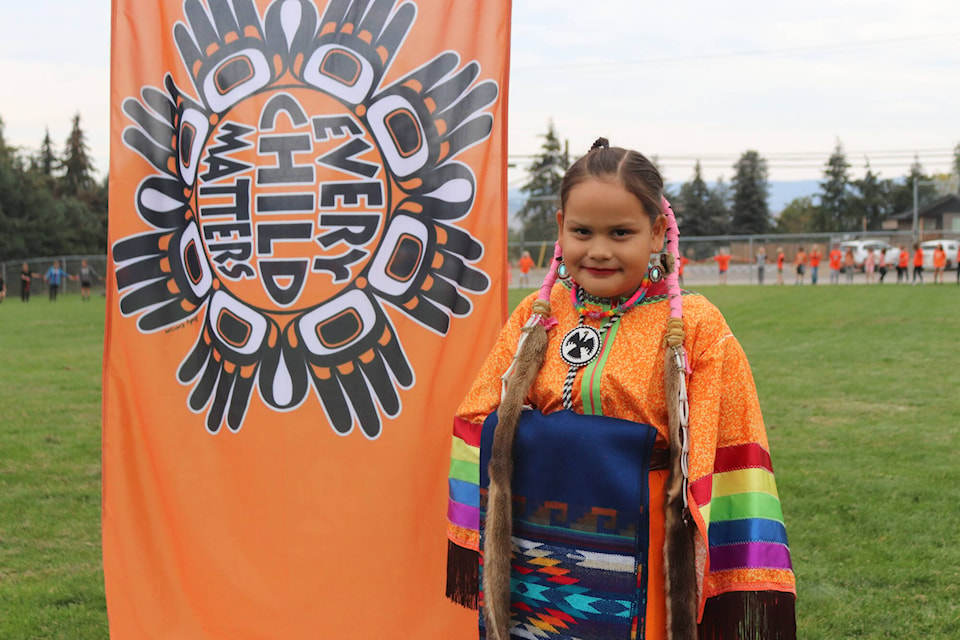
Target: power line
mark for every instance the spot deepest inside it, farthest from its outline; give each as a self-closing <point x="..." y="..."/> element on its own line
<point x="782" y="155"/>
<point x="786" y="51"/>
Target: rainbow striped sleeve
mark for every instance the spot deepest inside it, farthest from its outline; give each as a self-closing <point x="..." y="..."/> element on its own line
<point x="463" y="509"/>
<point x="741" y="507"/>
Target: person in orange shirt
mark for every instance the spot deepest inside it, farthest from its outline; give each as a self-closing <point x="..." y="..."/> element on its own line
<point x="723" y="261"/>
<point x="525" y="264"/>
<point x="780" y="258"/>
<point x="684" y="261"/>
<point x="815" y="258"/>
<point x="600" y="379"/>
<point x="939" y="263"/>
<point x="800" y="261"/>
<point x="917" y="263"/>
<point x="903" y="263"/>
<point x="836" y="259"/>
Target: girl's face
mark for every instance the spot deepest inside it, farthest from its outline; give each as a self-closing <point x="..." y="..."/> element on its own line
<point x="606" y="237"/>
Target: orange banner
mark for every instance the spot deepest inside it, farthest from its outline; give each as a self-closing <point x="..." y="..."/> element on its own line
<point x="308" y="264"/>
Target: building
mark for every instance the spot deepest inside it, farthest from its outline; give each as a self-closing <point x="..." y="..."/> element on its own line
<point x="934" y="219"/>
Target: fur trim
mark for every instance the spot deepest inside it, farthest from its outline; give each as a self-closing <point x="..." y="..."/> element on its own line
<point x="497" y="544"/>
<point x="679" y="555"/>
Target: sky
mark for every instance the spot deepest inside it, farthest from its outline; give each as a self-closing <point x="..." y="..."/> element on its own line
<point x="680" y="81"/>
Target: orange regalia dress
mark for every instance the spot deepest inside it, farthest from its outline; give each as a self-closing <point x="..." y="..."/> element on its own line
<point x="588" y="497"/>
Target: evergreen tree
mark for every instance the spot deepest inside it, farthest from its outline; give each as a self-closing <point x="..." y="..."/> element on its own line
<point x="751" y="213"/>
<point x="47" y="159"/>
<point x="718" y="208"/>
<point x="702" y="210"/>
<point x="901" y="193"/>
<point x="542" y="189"/>
<point x="835" y="212"/>
<point x="798" y="216"/>
<point x="871" y="204"/>
<point x="692" y="217"/>
<point x="77" y="165"/>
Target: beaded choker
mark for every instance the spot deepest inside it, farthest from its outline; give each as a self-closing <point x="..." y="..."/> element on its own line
<point x="596" y="312"/>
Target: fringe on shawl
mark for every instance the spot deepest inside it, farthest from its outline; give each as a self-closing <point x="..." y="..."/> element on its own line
<point x="497" y="543"/>
<point x="678" y="549"/>
<point x="463" y="575"/>
<point x="750" y="615"/>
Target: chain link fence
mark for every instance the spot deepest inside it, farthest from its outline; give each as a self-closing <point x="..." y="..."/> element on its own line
<point x="10" y="270"/>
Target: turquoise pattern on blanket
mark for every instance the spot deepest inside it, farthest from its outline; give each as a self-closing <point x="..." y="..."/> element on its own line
<point x="581" y="528"/>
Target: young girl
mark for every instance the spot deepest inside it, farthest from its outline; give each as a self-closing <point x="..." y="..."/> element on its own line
<point x="622" y="426"/>
<point x="800" y="262"/>
<point x="939" y="264"/>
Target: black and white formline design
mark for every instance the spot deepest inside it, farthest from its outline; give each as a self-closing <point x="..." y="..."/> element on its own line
<point x="296" y="199"/>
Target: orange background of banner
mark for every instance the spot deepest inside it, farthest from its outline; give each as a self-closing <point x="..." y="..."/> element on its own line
<point x="286" y="529"/>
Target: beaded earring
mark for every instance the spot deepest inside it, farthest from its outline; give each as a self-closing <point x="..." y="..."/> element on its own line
<point x="562" y="272"/>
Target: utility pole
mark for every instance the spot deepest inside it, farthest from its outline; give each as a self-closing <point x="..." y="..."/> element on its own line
<point x="916" y="238"/>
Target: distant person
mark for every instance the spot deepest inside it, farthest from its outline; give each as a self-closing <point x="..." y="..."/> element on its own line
<point x="25" y="281"/>
<point x="815" y="257"/>
<point x="957" y="265"/>
<point x="836" y="261"/>
<point x="781" y="257"/>
<point x="3" y="288"/>
<point x="917" y="263"/>
<point x="761" y="264"/>
<point x="939" y="263"/>
<point x="849" y="265"/>
<point x="869" y="265"/>
<point x="903" y="265"/>
<point x="54" y="277"/>
<point x="87" y="274"/>
<point x="882" y="265"/>
<point x="684" y="261"/>
<point x="525" y="264"/>
<point x="800" y="262"/>
<point x="723" y="263"/>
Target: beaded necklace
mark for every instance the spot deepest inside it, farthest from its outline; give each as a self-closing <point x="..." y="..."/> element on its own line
<point x="597" y="313"/>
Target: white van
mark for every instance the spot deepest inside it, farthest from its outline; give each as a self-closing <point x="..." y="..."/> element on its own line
<point x="950" y="247"/>
<point x="860" y="247"/>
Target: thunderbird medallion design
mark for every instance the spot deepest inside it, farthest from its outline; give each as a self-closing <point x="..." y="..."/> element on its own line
<point x="580" y="346"/>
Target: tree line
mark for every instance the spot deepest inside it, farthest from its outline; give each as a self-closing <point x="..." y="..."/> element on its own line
<point x="741" y="207"/>
<point x="50" y="202"/>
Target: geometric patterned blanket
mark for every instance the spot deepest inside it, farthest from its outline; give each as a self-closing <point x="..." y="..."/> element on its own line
<point x="580" y="525"/>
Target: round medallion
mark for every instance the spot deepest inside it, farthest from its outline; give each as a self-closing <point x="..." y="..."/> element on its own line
<point x="580" y="346"/>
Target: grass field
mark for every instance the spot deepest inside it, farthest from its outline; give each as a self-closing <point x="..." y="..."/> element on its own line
<point x="859" y="389"/>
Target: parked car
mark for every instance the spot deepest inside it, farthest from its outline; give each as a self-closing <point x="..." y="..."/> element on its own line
<point x="949" y="247"/>
<point x="860" y="248"/>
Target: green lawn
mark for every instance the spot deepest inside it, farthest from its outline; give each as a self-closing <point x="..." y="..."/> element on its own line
<point x="859" y="390"/>
<point x="51" y="576"/>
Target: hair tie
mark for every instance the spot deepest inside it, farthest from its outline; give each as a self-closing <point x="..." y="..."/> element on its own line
<point x="600" y="143"/>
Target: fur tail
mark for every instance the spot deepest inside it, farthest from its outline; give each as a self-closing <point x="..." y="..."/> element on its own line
<point x="678" y="549"/>
<point x="497" y="545"/>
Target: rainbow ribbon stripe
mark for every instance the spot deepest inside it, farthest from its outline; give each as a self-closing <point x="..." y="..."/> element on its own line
<point x="463" y="509"/>
<point x="742" y="508"/>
